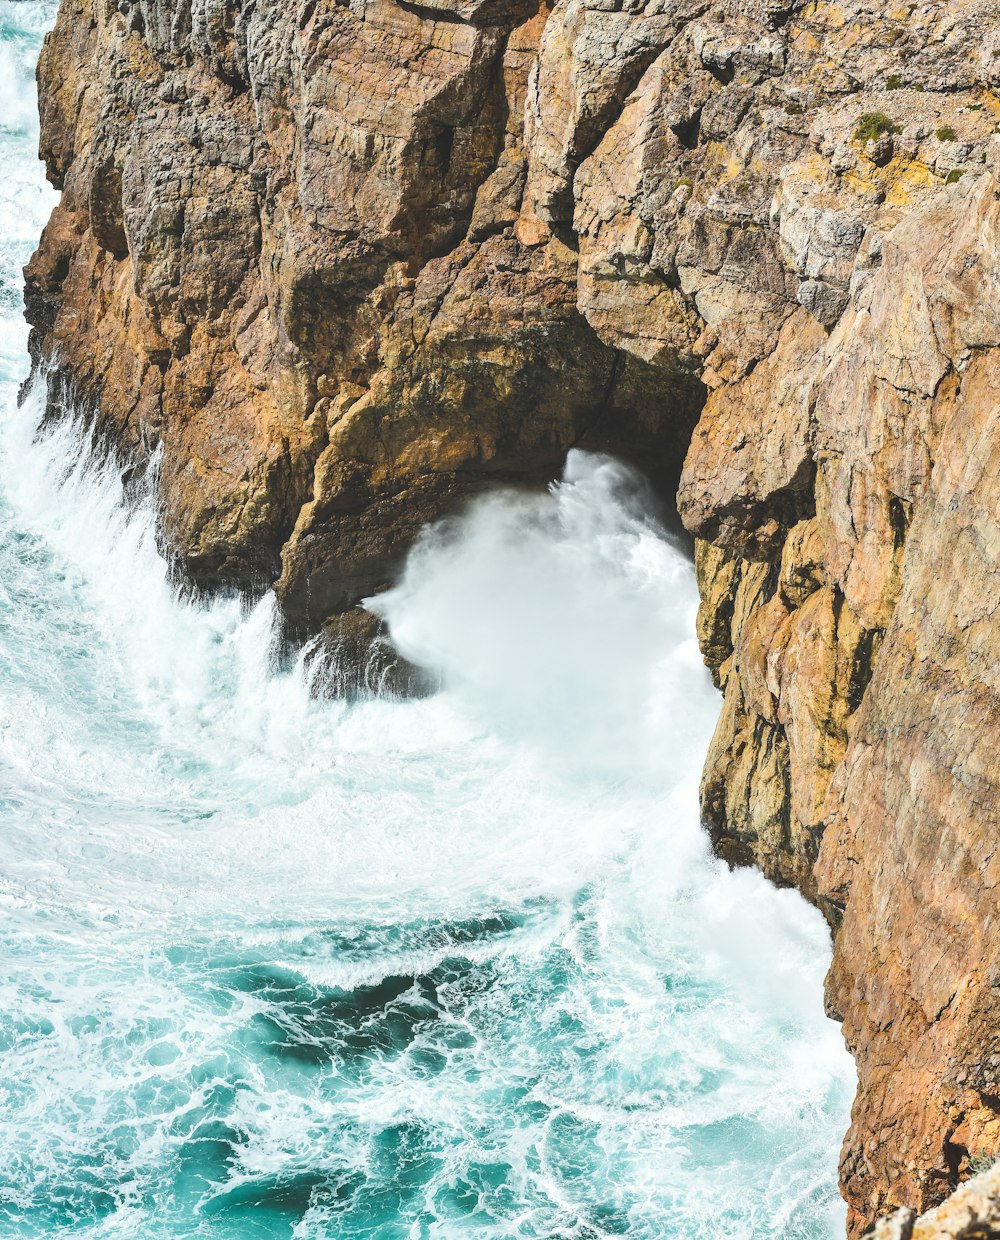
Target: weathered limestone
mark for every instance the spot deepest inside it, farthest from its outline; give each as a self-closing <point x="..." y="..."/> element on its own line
<point x="286" y="252"/>
<point x="972" y="1212"/>
<point x="862" y="708"/>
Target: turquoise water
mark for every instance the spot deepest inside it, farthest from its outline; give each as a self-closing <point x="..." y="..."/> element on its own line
<point x="457" y="967"/>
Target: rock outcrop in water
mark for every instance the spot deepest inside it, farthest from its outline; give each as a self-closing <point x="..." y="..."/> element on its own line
<point x="350" y="262"/>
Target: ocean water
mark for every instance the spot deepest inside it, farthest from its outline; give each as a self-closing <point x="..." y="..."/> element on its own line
<point x="274" y="966"/>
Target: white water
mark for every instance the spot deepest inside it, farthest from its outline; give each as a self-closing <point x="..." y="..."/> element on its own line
<point x="456" y="967"/>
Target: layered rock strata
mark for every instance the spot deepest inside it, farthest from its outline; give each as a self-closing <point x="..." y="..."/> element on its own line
<point x="346" y="264"/>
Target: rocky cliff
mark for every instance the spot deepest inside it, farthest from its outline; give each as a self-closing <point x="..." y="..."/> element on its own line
<point x="972" y="1212"/>
<point x="347" y="263"/>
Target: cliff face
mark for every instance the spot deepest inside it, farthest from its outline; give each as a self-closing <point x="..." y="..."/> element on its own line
<point x="286" y="252"/>
<point x="972" y="1212"/>
<point x="348" y="263"/>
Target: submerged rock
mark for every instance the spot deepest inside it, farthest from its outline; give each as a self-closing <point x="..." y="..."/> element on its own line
<point x="352" y="656"/>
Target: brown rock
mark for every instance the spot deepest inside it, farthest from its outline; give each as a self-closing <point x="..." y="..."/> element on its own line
<point x="972" y="1212"/>
<point x="286" y="254"/>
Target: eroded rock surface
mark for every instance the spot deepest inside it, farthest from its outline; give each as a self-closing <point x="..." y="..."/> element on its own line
<point x="348" y="263"/>
<point x="972" y="1212"/>
<point x="286" y="252"/>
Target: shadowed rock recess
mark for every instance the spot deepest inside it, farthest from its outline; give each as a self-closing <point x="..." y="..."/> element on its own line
<point x="350" y="263"/>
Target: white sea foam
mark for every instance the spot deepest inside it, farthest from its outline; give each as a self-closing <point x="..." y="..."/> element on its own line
<point x="556" y="772"/>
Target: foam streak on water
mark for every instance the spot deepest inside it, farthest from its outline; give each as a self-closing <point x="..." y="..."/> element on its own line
<point x="456" y="967"/>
